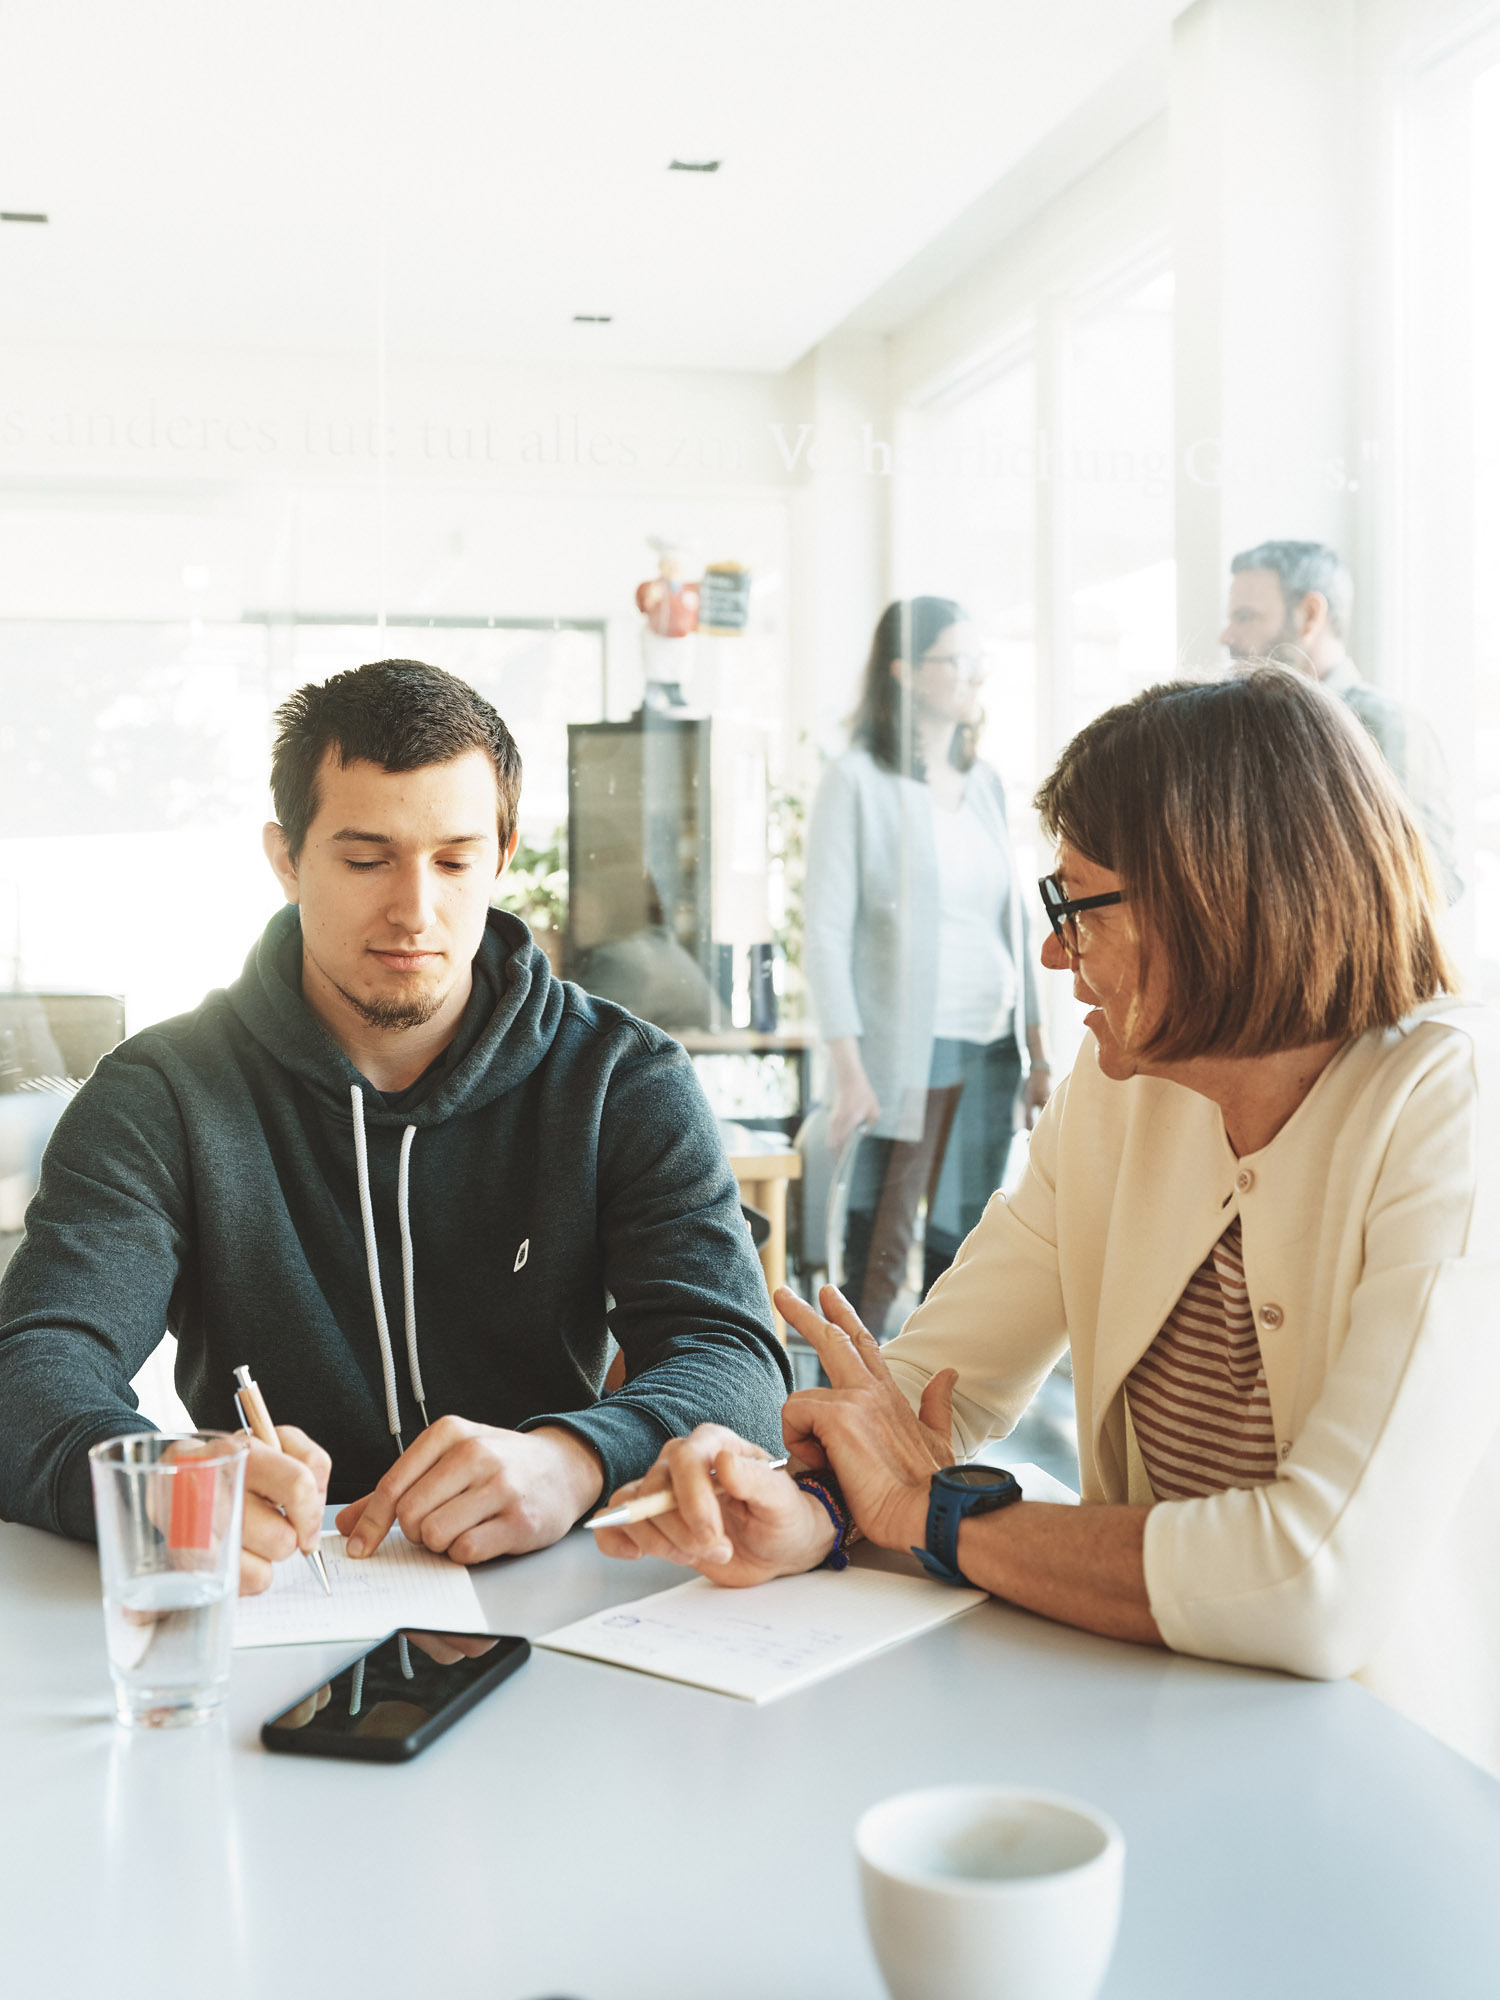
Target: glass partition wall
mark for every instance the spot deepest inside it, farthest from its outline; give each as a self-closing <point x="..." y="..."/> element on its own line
<point x="722" y="385"/>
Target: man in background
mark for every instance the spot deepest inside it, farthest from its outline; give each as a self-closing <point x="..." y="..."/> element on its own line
<point x="1290" y="601"/>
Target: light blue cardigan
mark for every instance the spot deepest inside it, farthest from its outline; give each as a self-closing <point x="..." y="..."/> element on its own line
<point x="871" y="943"/>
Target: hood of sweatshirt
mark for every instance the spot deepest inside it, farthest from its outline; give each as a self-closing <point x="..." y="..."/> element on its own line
<point x="507" y="1029"/>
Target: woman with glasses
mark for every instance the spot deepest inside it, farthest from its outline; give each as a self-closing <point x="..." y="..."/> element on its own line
<point x="1263" y="1212"/>
<point x="914" y="946"/>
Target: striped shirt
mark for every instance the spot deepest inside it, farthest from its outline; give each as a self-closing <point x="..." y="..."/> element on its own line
<point x="1198" y="1396"/>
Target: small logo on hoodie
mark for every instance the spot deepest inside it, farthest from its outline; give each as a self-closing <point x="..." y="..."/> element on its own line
<point x="522" y="1254"/>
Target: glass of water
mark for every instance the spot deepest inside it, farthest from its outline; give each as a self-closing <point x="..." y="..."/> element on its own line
<point x="168" y="1511"/>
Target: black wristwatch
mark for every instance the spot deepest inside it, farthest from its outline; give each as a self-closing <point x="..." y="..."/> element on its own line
<point x="957" y="1492"/>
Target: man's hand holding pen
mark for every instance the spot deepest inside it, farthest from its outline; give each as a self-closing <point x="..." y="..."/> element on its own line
<point x="284" y="1495"/>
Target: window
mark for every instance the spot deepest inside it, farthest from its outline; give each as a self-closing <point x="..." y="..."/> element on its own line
<point x="1116" y="464"/>
<point x="966" y="529"/>
<point x="1039" y="492"/>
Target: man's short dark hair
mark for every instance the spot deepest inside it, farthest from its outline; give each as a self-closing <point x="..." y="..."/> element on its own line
<point x="1301" y="567"/>
<point x="401" y="714"/>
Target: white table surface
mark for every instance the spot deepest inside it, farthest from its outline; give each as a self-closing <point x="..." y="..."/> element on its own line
<point x="599" y="1834"/>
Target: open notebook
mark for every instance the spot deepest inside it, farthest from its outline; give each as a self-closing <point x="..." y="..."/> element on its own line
<point x="399" y="1585"/>
<point x="766" y="1641"/>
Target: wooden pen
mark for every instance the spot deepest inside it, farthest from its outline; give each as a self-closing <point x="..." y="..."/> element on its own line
<point x="649" y="1505"/>
<point x="256" y="1418"/>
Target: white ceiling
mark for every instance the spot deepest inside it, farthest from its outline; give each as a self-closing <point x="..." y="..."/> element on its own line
<point x="218" y="172"/>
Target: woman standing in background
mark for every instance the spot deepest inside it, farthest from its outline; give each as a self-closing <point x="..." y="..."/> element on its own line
<point x="916" y="955"/>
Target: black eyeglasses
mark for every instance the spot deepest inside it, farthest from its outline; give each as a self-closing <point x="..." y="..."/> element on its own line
<point x="1063" y="913"/>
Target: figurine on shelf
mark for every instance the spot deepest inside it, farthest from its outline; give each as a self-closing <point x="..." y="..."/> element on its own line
<point x="670" y="604"/>
<point x="671" y="607"/>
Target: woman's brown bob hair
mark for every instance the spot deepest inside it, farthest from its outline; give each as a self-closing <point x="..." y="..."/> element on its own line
<point x="1265" y="850"/>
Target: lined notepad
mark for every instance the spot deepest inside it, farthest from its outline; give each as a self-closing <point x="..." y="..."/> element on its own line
<point x="399" y="1585"/>
<point x="766" y="1641"/>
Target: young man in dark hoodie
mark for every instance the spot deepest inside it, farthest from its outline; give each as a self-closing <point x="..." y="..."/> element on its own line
<point x="396" y="1120"/>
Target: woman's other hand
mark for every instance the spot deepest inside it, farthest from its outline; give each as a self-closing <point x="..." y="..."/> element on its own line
<point x="854" y="1101"/>
<point x="738" y="1521"/>
<point x="882" y="1453"/>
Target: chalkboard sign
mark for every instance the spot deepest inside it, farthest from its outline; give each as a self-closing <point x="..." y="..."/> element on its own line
<point x="724" y="607"/>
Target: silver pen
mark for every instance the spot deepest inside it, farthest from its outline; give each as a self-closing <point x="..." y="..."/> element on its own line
<point x="256" y="1418"/>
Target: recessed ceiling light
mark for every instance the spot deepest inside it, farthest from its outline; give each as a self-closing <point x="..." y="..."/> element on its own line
<point x="19" y="215"/>
<point x="593" y="319"/>
<point x="694" y="166"/>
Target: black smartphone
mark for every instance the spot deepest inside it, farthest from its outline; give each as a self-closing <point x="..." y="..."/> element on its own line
<point x="392" y="1701"/>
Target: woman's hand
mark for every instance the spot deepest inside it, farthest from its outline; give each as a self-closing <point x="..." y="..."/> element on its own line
<point x="1038" y="1090"/>
<point x="863" y="1427"/>
<point x="854" y="1100"/>
<point x="737" y="1521"/>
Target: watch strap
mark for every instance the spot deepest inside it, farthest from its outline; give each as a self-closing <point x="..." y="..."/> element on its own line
<point x="936" y="1567"/>
<point x="948" y="1507"/>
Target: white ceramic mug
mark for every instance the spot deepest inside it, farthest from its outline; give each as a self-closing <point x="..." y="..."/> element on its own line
<point x="982" y="1892"/>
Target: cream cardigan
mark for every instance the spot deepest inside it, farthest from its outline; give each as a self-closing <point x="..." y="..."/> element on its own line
<point x="1371" y="1227"/>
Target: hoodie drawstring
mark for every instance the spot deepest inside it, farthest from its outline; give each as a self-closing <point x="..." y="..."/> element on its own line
<point x="372" y="1266"/>
<point x="408" y="1270"/>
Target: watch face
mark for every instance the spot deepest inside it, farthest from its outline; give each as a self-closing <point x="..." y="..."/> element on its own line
<point x="977" y="1478"/>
